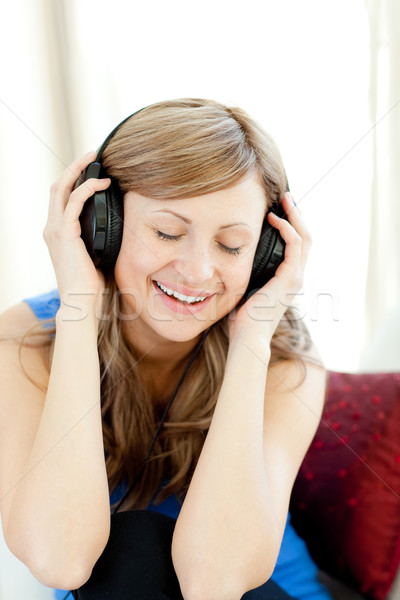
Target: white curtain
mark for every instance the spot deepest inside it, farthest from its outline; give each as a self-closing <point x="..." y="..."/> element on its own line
<point x="382" y="322"/>
<point x="35" y="140"/>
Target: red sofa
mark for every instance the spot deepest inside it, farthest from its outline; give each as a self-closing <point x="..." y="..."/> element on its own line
<point x="346" y="499"/>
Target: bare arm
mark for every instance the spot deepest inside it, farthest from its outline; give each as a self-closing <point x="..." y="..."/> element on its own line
<point x="54" y="492"/>
<point x="231" y="524"/>
<point x="228" y="520"/>
<point x="55" y="506"/>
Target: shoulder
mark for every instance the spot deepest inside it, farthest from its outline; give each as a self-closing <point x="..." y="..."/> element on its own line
<point x="14" y="324"/>
<point x="294" y="401"/>
<point x="296" y="389"/>
<point x="16" y="320"/>
<point x="292" y="375"/>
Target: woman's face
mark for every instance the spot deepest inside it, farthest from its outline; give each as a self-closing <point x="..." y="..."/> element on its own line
<point x="200" y="249"/>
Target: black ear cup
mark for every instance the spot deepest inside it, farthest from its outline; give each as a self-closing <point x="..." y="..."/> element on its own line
<point x="115" y="206"/>
<point x="269" y="254"/>
<point x="102" y="220"/>
<point x="102" y="215"/>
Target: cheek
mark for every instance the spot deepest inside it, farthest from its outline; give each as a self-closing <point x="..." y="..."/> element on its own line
<point x="141" y="247"/>
<point x="134" y="263"/>
<point x="236" y="278"/>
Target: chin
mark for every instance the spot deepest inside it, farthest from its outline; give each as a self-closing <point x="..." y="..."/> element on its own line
<point x="179" y="332"/>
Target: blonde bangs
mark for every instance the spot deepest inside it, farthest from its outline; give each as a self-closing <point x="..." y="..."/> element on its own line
<point x="167" y="152"/>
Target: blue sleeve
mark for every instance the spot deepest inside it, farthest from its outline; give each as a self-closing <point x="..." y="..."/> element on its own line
<point x="46" y="305"/>
<point x="61" y="594"/>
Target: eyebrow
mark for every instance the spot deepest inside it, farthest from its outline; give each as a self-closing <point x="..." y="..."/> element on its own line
<point x="190" y="222"/>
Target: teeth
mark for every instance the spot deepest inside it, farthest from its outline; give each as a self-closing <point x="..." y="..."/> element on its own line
<point x="182" y="297"/>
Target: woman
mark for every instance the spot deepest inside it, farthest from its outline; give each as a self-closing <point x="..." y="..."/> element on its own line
<point x="79" y="420"/>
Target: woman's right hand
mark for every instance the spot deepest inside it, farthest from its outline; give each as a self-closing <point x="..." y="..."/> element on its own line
<point x="77" y="277"/>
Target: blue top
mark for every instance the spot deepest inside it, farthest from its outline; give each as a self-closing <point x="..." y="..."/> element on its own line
<point x="295" y="572"/>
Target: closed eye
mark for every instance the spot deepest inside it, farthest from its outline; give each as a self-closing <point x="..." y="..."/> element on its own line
<point x="174" y="238"/>
<point x="165" y="236"/>
<point x="235" y="251"/>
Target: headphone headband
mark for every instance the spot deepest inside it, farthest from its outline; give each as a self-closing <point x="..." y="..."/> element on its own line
<point x="113" y="132"/>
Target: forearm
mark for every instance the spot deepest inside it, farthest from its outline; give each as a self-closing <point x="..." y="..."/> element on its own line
<point x="61" y="508"/>
<point x="228" y="527"/>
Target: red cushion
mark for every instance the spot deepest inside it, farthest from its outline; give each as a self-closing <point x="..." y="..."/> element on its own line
<point x="346" y="499"/>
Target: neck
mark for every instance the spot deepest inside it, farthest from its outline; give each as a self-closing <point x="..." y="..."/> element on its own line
<point x="157" y="352"/>
<point x="161" y="362"/>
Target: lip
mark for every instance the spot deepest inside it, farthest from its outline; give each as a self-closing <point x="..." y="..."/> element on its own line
<point x="180" y="307"/>
<point x="181" y="289"/>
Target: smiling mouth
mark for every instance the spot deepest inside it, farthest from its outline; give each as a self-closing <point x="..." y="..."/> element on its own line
<point x="180" y="297"/>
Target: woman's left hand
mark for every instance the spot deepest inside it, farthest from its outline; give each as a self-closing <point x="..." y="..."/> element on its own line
<point x="260" y="314"/>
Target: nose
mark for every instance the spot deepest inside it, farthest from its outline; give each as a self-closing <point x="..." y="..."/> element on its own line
<point x="195" y="267"/>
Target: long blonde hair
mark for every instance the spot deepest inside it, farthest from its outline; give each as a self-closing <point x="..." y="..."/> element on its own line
<point x="177" y="149"/>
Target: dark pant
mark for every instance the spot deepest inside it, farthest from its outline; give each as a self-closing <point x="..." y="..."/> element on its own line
<point x="136" y="563"/>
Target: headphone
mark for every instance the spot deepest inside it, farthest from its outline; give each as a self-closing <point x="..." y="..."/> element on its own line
<point x="102" y="225"/>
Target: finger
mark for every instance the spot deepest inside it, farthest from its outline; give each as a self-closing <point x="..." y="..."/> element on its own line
<point x="72" y="172"/>
<point x="290" y="236"/>
<point x="291" y="209"/>
<point x="62" y="187"/>
<point x="82" y="193"/>
<point x="297" y="220"/>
